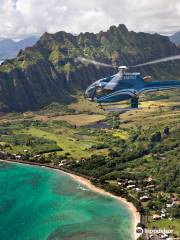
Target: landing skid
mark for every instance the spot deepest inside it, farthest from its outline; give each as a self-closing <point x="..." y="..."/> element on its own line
<point x="134" y="106"/>
<point x="120" y="109"/>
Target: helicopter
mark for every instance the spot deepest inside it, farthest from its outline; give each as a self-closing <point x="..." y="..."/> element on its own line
<point x="125" y="85"/>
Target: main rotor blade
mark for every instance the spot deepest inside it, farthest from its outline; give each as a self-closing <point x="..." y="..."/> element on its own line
<point x="166" y="59"/>
<point x="85" y="60"/>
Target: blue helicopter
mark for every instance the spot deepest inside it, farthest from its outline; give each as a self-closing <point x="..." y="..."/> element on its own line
<point x="124" y="86"/>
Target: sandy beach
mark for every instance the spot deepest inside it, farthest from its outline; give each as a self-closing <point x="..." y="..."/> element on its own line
<point x="133" y="210"/>
<point x="87" y="183"/>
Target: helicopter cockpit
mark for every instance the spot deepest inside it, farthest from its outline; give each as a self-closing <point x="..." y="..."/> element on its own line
<point x="102" y="91"/>
<point x="108" y="85"/>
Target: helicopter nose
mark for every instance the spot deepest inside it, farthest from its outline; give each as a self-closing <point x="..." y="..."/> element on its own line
<point x="89" y="94"/>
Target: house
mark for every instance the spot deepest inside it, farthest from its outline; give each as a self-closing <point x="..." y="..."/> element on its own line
<point x="62" y="163"/>
<point x="169" y="205"/>
<point x="131" y="182"/>
<point x="156" y="217"/>
<point x="163" y="215"/>
<point x="149" y="179"/>
<point x="150" y="186"/>
<point x="144" y="198"/>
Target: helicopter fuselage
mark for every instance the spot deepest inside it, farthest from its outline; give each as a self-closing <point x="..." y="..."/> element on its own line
<point x="124" y="86"/>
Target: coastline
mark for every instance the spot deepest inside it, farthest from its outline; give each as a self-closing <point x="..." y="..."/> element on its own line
<point x="86" y="182"/>
<point x="134" y="213"/>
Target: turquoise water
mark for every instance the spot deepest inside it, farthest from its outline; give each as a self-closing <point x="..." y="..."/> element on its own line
<point x="43" y="204"/>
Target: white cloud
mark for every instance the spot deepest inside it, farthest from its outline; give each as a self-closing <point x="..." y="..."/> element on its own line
<point x="20" y="18"/>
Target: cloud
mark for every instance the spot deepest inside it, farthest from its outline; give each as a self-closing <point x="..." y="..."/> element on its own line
<point x="21" y="18"/>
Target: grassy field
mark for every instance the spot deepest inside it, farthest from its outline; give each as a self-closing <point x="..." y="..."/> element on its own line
<point x="18" y="134"/>
<point x="76" y="119"/>
<point x="166" y="224"/>
<point x="121" y="134"/>
<point x="65" y="139"/>
<point x="80" y="119"/>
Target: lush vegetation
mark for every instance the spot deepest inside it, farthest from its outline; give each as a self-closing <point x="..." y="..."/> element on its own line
<point x="48" y="72"/>
<point x="134" y="155"/>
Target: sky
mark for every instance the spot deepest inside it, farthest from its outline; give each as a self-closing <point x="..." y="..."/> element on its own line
<point x="24" y="18"/>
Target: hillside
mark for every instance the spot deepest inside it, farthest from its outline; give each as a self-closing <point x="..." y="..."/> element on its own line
<point x="47" y="72"/>
<point x="10" y="48"/>
<point x="175" y="38"/>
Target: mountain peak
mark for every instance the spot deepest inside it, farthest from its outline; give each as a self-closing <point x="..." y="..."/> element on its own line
<point x="46" y="36"/>
<point x="123" y="28"/>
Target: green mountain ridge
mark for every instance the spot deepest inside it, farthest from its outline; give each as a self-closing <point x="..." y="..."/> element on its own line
<point x="48" y="72"/>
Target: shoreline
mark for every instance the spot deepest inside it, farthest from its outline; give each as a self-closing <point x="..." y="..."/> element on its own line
<point x="133" y="211"/>
<point x="86" y="182"/>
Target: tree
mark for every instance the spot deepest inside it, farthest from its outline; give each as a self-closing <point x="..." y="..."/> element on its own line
<point x="166" y="131"/>
<point x="156" y="137"/>
<point x="141" y="225"/>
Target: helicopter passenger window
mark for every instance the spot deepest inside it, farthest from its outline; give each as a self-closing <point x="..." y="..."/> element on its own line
<point x="101" y="91"/>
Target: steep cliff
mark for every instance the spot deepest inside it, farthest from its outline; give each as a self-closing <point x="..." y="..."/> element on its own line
<point x="48" y="71"/>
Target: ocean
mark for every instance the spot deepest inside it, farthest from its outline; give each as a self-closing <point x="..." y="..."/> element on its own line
<point x="38" y="203"/>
